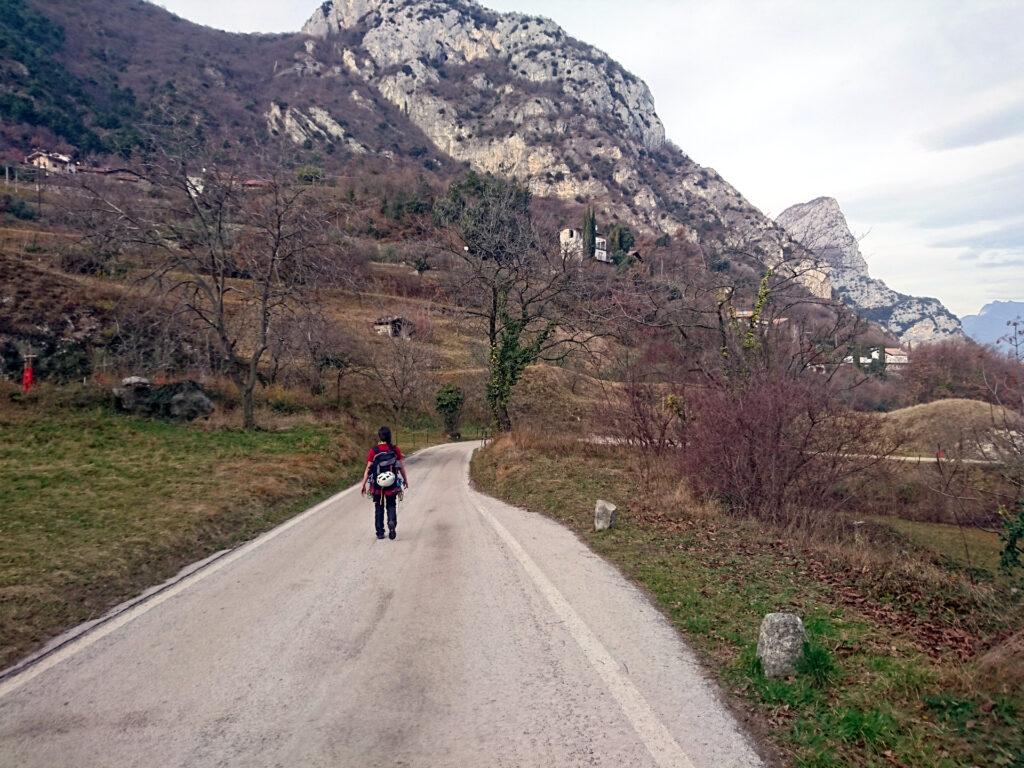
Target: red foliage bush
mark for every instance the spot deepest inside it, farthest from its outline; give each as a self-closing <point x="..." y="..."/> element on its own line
<point x="961" y="368"/>
<point x="776" y="446"/>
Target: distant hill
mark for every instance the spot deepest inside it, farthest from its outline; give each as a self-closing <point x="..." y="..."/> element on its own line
<point x="990" y="324"/>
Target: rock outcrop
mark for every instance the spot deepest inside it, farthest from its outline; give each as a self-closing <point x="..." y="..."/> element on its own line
<point x="515" y="95"/>
<point x="821" y="227"/>
<point x="180" y="401"/>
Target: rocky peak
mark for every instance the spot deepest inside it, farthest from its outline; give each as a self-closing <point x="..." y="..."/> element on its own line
<point x="821" y="227"/>
<point x="414" y="41"/>
<point x="515" y="95"/>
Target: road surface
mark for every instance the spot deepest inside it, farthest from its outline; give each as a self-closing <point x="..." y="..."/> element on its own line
<point x="484" y="636"/>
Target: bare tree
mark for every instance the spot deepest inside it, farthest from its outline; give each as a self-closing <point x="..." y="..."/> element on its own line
<point x="514" y="277"/>
<point x="235" y="258"/>
<point x="401" y="373"/>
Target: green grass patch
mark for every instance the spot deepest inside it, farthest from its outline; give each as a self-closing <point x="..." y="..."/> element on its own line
<point x="864" y="694"/>
<point x="967" y="547"/>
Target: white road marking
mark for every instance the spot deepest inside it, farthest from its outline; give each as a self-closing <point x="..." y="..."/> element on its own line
<point x="91" y="637"/>
<point x="652" y="732"/>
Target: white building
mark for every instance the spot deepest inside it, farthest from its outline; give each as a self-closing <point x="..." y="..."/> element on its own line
<point x="51" y="162"/>
<point x="571" y="241"/>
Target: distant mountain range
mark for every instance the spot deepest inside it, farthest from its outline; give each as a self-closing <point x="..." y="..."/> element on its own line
<point x="821" y="227"/>
<point x="990" y="324"/>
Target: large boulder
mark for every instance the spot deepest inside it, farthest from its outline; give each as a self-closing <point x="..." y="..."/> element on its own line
<point x="133" y="394"/>
<point x="181" y="401"/>
<point x="780" y="645"/>
<point x="605" y="515"/>
<point x="187" y="402"/>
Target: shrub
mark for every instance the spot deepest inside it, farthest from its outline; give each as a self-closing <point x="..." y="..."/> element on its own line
<point x="16" y="207"/>
<point x="776" y="446"/>
<point x="960" y="368"/>
<point x="310" y="174"/>
<point x="449" y="402"/>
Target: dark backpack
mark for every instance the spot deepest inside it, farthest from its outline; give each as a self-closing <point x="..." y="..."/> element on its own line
<point x="384" y="460"/>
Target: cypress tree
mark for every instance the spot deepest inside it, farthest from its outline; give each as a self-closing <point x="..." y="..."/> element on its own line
<point x="589" y="233"/>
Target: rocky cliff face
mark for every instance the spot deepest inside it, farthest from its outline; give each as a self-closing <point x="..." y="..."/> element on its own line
<point x="821" y="227"/>
<point x="514" y="95"/>
<point x="419" y="85"/>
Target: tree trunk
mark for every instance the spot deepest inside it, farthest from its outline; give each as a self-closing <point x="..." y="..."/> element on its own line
<point x="248" y="409"/>
<point x="502" y="418"/>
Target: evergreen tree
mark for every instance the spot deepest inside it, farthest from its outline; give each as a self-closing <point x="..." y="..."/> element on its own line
<point x="589" y="233"/>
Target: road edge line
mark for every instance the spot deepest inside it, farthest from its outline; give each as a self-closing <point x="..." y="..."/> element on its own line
<point x="21" y="674"/>
<point x="653" y="733"/>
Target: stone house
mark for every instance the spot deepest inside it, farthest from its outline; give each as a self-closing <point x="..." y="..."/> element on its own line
<point x="896" y="358"/>
<point x="393" y="327"/>
<point x="51" y="162"/>
<point x="571" y="241"/>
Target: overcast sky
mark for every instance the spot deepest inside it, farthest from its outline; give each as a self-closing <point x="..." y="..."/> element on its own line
<point x="910" y="113"/>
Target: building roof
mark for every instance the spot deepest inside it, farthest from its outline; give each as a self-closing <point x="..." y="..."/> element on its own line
<point x="51" y="155"/>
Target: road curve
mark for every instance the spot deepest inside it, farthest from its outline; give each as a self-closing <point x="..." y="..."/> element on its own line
<point x="484" y="636"/>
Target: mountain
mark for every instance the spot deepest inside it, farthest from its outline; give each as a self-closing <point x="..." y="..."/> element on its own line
<point x="515" y="95"/>
<point x="92" y="76"/>
<point x="991" y="323"/>
<point x="822" y="228"/>
<point x="428" y="84"/>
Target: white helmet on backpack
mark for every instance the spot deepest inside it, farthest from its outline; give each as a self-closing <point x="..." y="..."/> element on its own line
<point x="386" y="479"/>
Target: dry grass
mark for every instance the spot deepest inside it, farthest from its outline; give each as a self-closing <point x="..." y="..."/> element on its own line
<point x="951" y="425"/>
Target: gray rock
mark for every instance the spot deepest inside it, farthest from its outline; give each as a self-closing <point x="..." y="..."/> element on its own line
<point x="605" y="515"/>
<point x="133" y="393"/>
<point x="189" y="405"/>
<point x="821" y="227"/>
<point x="780" y="645"/>
<point x="182" y="401"/>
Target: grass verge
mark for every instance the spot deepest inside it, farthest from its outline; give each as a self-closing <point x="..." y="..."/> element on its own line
<point x="880" y="686"/>
<point x="96" y="506"/>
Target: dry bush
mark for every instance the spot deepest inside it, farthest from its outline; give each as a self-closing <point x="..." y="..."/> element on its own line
<point x="960" y="368"/>
<point x="776" y="446"/>
<point x="401" y="373"/>
<point x="871" y="393"/>
<point x="423" y="324"/>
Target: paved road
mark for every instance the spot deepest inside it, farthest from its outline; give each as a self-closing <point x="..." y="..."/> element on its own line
<point x="484" y="636"/>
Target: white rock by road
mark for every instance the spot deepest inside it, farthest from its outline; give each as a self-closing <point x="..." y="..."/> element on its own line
<point x="483" y="636"/>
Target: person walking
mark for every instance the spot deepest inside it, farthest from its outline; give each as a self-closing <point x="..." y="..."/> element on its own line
<point x="385" y="478"/>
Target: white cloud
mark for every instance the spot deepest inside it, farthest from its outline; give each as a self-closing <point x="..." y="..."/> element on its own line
<point x="908" y="113"/>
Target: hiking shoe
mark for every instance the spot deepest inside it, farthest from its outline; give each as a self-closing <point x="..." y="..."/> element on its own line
<point x="392" y="535"/>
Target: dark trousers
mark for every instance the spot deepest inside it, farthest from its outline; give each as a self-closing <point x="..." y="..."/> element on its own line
<point x="379" y="504"/>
